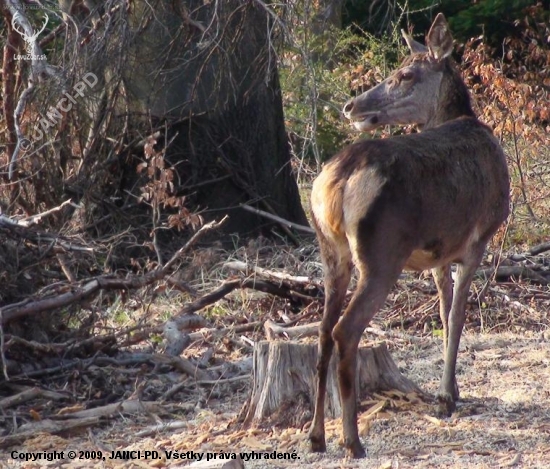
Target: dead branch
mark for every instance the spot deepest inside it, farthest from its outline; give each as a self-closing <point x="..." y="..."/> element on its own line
<point x="270" y="274"/>
<point x="226" y="331"/>
<point x="224" y="380"/>
<point x="155" y="429"/>
<point x="34" y="219"/>
<point x="179" y="363"/>
<point x="228" y="286"/>
<point x="534" y="251"/>
<point x="539" y="249"/>
<point x="505" y="272"/>
<point x="28" y="394"/>
<point x="31" y="430"/>
<point x="129" y="406"/>
<point x="282" y="221"/>
<point x="273" y="330"/>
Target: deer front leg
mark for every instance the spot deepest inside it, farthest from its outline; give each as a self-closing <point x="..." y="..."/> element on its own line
<point x="448" y="390"/>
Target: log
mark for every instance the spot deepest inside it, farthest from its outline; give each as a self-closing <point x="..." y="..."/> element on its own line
<point x="284" y="382"/>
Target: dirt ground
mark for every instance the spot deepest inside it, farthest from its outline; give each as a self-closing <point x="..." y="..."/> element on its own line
<point x="503" y="419"/>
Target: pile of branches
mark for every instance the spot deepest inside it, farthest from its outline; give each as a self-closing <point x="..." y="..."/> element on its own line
<point x="128" y="370"/>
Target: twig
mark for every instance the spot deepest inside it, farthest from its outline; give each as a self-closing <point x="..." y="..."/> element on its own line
<point x="213" y="225"/>
<point x="271" y="274"/>
<point x="223" y="381"/>
<point x="162" y="427"/>
<point x="282" y="221"/>
<point x="28" y="221"/>
<point x="226" y="331"/>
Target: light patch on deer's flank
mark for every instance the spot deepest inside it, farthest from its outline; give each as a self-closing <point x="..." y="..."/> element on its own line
<point x="361" y="189"/>
<point x="326" y="203"/>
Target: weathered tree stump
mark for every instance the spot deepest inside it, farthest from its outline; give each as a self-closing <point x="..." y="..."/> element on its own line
<point x="284" y="381"/>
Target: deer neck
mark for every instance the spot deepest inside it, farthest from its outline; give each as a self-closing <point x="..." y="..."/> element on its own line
<point x="453" y="100"/>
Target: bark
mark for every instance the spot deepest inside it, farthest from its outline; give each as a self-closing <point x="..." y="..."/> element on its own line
<point x="209" y="70"/>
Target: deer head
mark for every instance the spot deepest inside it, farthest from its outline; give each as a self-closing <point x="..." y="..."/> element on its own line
<point x="407" y="96"/>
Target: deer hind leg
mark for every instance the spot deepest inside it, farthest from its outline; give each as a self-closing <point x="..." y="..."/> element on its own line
<point x="448" y="390"/>
<point x="337" y="269"/>
<point x="444" y="284"/>
<point x="369" y="297"/>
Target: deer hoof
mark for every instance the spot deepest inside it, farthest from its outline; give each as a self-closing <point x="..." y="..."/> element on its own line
<point x="356" y="450"/>
<point x="447" y="404"/>
<point x="354" y="447"/>
<point x="318" y="444"/>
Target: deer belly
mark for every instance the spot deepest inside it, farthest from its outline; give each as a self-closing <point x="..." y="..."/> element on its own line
<point x="422" y="259"/>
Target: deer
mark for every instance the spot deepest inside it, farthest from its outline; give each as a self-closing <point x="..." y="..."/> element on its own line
<point x="419" y="202"/>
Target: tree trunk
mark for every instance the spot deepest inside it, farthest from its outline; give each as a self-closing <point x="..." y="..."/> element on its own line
<point x="285" y="382"/>
<point x="209" y="70"/>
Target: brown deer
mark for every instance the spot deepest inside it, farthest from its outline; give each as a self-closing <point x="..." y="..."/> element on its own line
<point x="420" y="201"/>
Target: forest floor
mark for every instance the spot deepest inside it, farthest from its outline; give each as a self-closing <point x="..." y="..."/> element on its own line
<point x="502" y="420"/>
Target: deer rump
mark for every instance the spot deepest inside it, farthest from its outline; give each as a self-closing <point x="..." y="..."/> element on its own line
<point x="430" y="193"/>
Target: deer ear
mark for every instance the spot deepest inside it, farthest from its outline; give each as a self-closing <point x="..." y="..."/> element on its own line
<point x="439" y="39"/>
<point x="414" y="47"/>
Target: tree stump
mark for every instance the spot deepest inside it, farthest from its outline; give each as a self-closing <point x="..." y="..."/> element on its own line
<point x="284" y="382"/>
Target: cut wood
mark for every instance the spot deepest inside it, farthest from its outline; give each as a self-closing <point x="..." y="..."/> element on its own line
<point x="284" y="382"/>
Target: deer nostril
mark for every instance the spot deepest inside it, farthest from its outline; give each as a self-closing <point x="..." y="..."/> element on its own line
<point x="348" y="107"/>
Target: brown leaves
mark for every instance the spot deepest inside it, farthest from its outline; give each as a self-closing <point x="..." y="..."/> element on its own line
<point x="159" y="191"/>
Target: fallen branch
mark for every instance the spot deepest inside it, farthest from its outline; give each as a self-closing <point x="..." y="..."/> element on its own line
<point x="282" y="221"/>
<point x="226" y="331"/>
<point x="29" y="394"/>
<point x="129" y="406"/>
<point x="179" y="363"/>
<point x="47" y="426"/>
<point x="539" y="249"/>
<point x="270" y="274"/>
<point x="273" y="330"/>
<point x="161" y="427"/>
<point x="228" y="286"/>
<point x="506" y="271"/>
